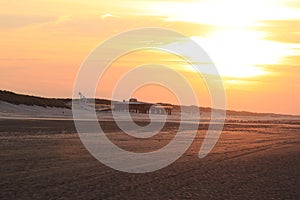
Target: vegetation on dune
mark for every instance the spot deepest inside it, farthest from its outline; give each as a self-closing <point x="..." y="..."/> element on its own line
<point x="29" y="100"/>
<point x="18" y="99"/>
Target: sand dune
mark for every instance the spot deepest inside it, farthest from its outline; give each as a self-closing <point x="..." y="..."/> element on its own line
<point x="8" y="110"/>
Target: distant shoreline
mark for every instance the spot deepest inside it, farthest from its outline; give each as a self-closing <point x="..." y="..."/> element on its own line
<point x="30" y="100"/>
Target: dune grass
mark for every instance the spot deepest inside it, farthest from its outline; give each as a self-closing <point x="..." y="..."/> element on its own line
<point x="19" y="99"/>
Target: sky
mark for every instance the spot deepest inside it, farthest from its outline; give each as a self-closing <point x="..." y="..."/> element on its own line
<point x="255" y="46"/>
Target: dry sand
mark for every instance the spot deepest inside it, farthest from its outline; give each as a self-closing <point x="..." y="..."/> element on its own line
<point x="44" y="159"/>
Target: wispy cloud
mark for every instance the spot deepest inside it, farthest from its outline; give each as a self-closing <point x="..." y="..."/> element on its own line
<point x="287" y="31"/>
<point x="18" y="21"/>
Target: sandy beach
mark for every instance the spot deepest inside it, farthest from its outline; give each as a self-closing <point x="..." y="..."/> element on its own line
<point x="46" y="159"/>
<point x="162" y="100"/>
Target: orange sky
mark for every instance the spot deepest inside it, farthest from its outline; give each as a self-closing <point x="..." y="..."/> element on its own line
<point x="254" y="44"/>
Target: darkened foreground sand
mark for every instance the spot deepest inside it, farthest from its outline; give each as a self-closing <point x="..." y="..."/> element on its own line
<point x="44" y="159"/>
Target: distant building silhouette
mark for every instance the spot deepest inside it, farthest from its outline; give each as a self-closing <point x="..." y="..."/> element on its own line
<point x="135" y="106"/>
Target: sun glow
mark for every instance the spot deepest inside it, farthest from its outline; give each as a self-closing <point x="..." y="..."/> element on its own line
<point x="235" y="43"/>
<point x="236" y="53"/>
<point x="234" y="13"/>
<point x="241" y="53"/>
